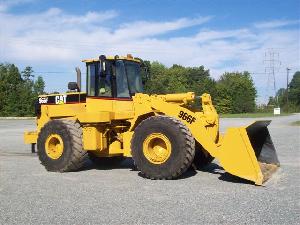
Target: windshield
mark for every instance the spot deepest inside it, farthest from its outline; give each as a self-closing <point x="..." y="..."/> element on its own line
<point x="134" y="77"/>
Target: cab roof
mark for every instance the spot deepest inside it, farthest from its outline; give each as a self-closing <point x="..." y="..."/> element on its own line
<point x="128" y="57"/>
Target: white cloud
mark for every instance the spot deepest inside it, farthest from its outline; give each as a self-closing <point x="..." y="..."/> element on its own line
<point x="147" y="29"/>
<point x="53" y="40"/>
<point x="90" y="17"/>
<point x="276" y="23"/>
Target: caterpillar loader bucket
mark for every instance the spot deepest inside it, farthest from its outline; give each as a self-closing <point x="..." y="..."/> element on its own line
<point x="249" y="153"/>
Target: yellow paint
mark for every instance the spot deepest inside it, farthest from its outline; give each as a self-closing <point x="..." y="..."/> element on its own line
<point x="126" y="138"/>
<point x="95" y="105"/>
<point x="157" y="148"/>
<point x="93" y="139"/>
<point x="64" y="110"/>
<point x="115" y="148"/>
<point x="234" y="151"/>
<point x="122" y="110"/>
<point x="180" y="97"/>
<point x="199" y="128"/>
<point x="100" y="117"/>
<point x="30" y="137"/>
<point x="54" y="146"/>
<point x="96" y="117"/>
<point x="237" y="156"/>
<point x="112" y="58"/>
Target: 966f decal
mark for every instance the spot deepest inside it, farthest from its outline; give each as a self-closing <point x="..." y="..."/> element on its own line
<point x="185" y="116"/>
<point x="43" y="100"/>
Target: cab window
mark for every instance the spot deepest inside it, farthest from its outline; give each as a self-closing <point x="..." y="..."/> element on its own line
<point x="91" y="79"/>
<point x="121" y="80"/>
<point x="99" y="84"/>
<point x="134" y="77"/>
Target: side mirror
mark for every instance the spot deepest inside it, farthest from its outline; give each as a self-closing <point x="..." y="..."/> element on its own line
<point x="72" y="86"/>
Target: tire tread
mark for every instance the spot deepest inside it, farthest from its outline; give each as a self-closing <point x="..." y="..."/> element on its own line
<point x="189" y="146"/>
<point x="78" y="156"/>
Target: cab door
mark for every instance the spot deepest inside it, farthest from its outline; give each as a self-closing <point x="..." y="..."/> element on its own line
<point x="123" y="105"/>
<point x="99" y="89"/>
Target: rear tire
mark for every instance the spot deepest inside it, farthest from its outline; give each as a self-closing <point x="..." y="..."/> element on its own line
<point x="179" y="140"/>
<point x="202" y="157"/>
<point x="72" y="157"/>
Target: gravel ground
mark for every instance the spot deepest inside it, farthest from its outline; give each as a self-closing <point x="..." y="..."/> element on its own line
<point x="31" y="195"/>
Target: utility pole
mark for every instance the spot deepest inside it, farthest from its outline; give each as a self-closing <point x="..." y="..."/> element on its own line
<point x="287" y="88"/>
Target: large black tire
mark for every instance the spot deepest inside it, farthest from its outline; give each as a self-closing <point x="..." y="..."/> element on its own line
<point x="105" y="161"/>
<point x="182" y="147"/>
<point x="202" y="157"/>
<point x="73" y="156"/>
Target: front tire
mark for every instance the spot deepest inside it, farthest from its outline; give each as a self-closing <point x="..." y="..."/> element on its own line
<point x="162" y="147"/>
<point x="202" y="157"/>
<point x="60" y="146"/>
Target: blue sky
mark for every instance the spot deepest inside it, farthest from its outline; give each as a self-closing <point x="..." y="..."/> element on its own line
<point x="229" y="35"/>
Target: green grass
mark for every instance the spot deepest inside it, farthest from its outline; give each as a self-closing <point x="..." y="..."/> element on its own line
<point x="296" y="123"/>
<point x="252" y="115"/>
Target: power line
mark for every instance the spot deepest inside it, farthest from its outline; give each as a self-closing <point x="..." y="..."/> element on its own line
<point x="53" y="72"/>
<point x="272" y="65"/>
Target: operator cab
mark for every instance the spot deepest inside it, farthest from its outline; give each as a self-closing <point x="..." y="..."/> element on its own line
<point x="113" y="77"/>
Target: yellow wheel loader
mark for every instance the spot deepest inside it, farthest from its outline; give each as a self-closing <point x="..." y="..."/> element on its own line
<point x="163" y="134"/>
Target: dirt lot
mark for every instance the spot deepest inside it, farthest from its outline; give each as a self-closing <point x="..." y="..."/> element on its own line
<point x="31" y="195"/>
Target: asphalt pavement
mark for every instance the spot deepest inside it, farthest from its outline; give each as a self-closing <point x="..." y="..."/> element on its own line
<point x="118" y="195"/>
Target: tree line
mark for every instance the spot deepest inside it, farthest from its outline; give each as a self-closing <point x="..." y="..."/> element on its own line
<point x="288" y="98"/>
<point x="233" y="92"/>
<point x="18" y="90"/>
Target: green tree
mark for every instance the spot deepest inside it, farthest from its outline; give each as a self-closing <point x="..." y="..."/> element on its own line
<point x="27" y="92"/>
<point x="39" y="86"/>
<point x="18" y="91"/>
<point x="200" y="82"/>
<point x="177" y="79"/>
<point x="157" y="79"/>
<point x="235" y="93"/>
<point x="27" y="74"/>
<point x="10" y="83"/>
<point x="294" y="89"/>
<point x="145" y="70"/>
<point x="294" y="95"/>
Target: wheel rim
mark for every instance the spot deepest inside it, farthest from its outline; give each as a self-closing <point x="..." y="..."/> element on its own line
<point x="157" y="148"/>
<point x="54" y="146"/>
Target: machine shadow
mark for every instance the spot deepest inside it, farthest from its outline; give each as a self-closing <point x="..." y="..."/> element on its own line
<point x="129" y="164"/>
<point x="224" y="176"/>
<point x="189" y="173"/>
<point x="125" y="164"/>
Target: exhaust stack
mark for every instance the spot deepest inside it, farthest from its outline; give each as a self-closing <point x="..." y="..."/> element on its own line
<point x="78" y="72"/>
